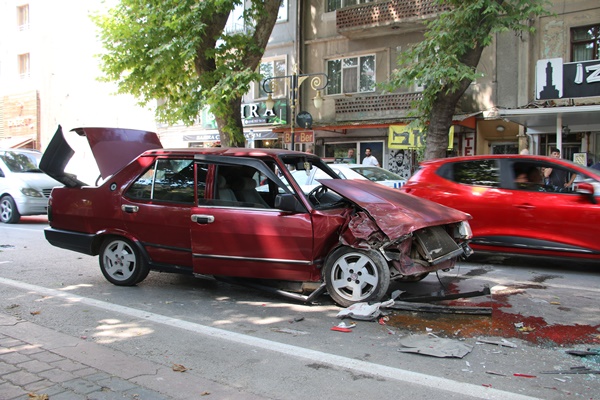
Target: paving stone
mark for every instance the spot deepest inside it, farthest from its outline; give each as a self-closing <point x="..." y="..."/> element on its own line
<point x="31" y="349"/>
<point x="39" y="386"/>
<point x="35" y="366"/>
<point x="57" y="375"/>
<point x="81" y="386"/>
<point x="107" y="395"/>
<point x="68" y="365"/>
<point x="15" y="358"/>
<point x="10" y="391"/>
<point x="47" y="356"/>
<point x="68" y="395"/>
<point x="8" y="342"/>
<point x="21" y="378"/>
<point x="98" y="376"/>
<point x="7" y="368"/>
<point x="116" y="384"/>
<point x="145" y="394"/>
<point x="53" y="390"/>
<point x="85" y="372"/>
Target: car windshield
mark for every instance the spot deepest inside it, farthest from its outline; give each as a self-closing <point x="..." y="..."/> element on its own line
<point x="377" y="174"/>
<point x="307" y="171"/>
<point x="21" y="162"/>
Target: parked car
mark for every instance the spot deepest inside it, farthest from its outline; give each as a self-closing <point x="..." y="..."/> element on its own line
<point x="514" y="210"/>
<point x="24" y="188"/>
<point x="374" y="174"/>
<point x="197" y="211"/>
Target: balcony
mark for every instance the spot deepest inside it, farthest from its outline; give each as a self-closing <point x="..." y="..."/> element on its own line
<point x="374" y="107"/>
<point x="384" y="17"/>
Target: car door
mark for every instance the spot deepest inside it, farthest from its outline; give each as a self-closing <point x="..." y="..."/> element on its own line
<point x="233" y="238"/>
<point x="545" y="220"/>
<point x="474" y="187"/>
<point x="156" y="209"/>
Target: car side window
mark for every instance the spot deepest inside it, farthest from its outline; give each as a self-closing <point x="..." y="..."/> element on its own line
<point x="241" y="186"/>
<point x="168" y="180"/>
<point x="477" y="173"/>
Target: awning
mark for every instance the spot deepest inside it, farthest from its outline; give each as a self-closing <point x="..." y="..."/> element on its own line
<point x="16" y="142"/>
<point x="546" y="120"/>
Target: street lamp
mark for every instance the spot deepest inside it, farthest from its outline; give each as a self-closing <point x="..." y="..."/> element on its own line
<point x="318" y="82"/>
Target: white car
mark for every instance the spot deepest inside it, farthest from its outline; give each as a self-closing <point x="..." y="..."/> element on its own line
<point x="351" y="171"/>
<point x="24" y="188"/>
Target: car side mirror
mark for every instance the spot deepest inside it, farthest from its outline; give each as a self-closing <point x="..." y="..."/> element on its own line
<point x="586" y="189"/>
<point x="289" y="202"/>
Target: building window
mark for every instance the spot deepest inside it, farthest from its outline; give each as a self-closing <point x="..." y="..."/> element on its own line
<point x="351" y="75"/>
<point x="24" y="67"/>
<point x="333" y="5"/>
<point x="23" y="17"/>
<point x="585" y="43"/>
<point x="269" y="69"/>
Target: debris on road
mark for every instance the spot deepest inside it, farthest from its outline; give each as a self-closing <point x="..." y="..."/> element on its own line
<point x="573" y="370"/>
<point x="179" y="368"/>
<point x="503" y="342"/>
<point x="364" y="311"/>
<point x="431" y="345"/>
<point x="290" y="331"/>
<point x="443" y="309"/>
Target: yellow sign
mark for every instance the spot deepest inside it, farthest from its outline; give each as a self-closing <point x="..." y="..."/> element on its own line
<point x="400" y="137"/>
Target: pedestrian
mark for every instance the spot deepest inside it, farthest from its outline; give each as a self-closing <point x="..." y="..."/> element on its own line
<point x="370" y="159"/>
<point x="350" y="157"/>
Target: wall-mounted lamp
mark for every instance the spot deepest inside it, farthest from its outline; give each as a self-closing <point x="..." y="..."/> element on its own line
<point x="500" y="128"/>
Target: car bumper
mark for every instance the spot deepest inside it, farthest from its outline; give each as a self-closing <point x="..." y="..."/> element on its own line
<point x="32" y="205"/>
<point x="75" y="241"/>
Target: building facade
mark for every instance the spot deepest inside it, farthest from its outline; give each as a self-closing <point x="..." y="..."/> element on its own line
<point x="538" y="90"/>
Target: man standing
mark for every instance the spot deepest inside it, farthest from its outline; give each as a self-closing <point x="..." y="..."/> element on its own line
<point x="350" y="158"/>
<point x="370" y="159"/>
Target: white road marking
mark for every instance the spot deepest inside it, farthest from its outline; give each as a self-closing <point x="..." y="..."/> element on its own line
<point x="365" y="367"/>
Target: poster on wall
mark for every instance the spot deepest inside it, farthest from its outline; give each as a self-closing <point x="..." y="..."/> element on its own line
<point x="401" y="137"/>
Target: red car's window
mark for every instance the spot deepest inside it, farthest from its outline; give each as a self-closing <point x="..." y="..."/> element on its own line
<point x="168" y="180"/>
<point x="480" y="173"/>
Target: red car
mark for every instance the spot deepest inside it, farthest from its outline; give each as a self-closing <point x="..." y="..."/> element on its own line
<point x="238" y="212"/>
<point x="515" y="208"/>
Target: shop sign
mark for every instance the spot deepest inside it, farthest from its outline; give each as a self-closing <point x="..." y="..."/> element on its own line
<point x="202" y="137"/>
<point x="555" y="79"/>
<point x="21" y="114"/>
<point x="258" y="114"/>
<point x="401" y="137"/>
<point x="299" y="137"/>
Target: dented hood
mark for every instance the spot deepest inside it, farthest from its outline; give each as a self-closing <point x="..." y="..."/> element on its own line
<point x="395" y="212"/>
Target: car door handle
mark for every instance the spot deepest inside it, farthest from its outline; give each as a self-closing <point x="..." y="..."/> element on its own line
<point x="130" y="209"/>
<point x="525" y="206"/>
<point x="203" y="219"/>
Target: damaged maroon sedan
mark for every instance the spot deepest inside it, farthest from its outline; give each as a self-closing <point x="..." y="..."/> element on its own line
<point x="239" y="213"/>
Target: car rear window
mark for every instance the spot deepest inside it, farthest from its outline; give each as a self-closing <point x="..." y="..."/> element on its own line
<point x="477" y="173"/>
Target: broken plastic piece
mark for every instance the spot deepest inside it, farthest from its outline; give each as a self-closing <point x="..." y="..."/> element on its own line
<point x="339" y="329"/>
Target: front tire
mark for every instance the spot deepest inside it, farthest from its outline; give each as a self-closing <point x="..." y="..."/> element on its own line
<point x="121" y="262"/>
<point x="354" y="276"/>
<point x="8" y="210"/>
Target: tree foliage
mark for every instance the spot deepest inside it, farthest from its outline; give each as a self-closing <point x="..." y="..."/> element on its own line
<point x="445" y="62"/>
<point x="177" y="52"/>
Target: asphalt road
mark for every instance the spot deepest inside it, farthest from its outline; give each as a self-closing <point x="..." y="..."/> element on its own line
<point x="275" y="348"/>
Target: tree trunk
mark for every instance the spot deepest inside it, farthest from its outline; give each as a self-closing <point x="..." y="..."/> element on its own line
<point x="231" y="129"/>
<point x="442" y="111"/>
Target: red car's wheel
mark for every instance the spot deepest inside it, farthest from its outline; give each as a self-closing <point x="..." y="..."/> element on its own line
<point x="354" y="276"/>
<point x="121" y="262"/>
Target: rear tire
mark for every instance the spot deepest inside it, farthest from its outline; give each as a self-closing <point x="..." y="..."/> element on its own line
<point x="354" y="276"/>
<point x="8" y="210"/>
<point x="121" y="262"/>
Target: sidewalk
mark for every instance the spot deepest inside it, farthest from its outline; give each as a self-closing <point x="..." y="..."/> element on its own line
<point x="35" y="360"/>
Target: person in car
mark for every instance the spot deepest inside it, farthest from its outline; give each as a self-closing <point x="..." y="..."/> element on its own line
<point x="557" y="178"/>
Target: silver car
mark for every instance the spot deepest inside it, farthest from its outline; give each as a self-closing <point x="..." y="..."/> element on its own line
<point x="24" y="188"/>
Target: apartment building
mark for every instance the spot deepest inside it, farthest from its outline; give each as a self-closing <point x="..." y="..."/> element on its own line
<point x="538" y="90"/>
<point x="49" y="75"/>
